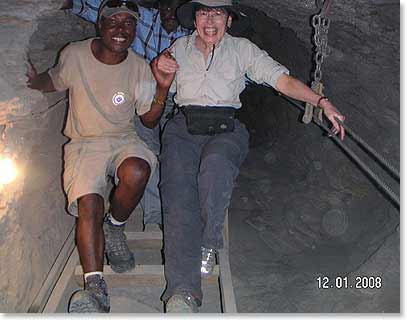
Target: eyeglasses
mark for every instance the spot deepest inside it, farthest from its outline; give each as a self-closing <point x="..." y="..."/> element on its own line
<point x="216" y="14"/>
<point x="120" y="3"/>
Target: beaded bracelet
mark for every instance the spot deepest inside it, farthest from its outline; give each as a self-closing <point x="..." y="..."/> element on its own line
<point x="158" y="101"/>
<point x="320" y="99"/>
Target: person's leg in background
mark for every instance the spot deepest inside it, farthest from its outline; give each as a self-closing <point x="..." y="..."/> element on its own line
<point x="151" y="200"/>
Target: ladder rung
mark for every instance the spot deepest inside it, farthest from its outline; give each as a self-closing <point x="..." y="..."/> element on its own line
<point x="141" y="274"/>
<point x="144" y="240"/>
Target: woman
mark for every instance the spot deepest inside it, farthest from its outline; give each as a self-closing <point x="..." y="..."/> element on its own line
<point x="204" y="146"/>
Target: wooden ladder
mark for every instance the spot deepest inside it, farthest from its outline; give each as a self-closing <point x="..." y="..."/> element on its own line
<point x="146" y="274"/>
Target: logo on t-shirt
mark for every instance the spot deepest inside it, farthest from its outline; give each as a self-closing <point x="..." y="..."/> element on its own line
<point x="118" y="98"/>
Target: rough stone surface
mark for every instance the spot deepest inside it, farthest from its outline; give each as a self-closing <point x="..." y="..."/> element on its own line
<point x="33" y="222"/>
<point x="300" y="208"/>
<point x="310" y="210"/>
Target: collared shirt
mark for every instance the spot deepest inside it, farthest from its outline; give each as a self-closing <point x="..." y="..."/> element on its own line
<point x="151" y="38"/>
<point x="220" y="82"/>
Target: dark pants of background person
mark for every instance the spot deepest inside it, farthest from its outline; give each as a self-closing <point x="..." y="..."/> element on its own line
<point x="151" y="201"/>
<point x="197" y="179"/>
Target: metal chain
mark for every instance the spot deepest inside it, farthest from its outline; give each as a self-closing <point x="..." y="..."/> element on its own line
<point x="320" y="23"/>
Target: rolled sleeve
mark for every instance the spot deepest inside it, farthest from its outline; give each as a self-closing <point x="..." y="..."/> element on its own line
<point x="145" y="90"/>
<point x="61" y="73"/>
<point x="260" y="67"/>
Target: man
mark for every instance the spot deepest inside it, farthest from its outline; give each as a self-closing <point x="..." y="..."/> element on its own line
<point x="155" y="31"/>
<point x="201" y="159"/>
<point x="106" y="81"/>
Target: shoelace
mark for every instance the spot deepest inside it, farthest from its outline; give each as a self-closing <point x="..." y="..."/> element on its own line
<point x="208" y="256"/>
<point x="97" y="287"/>
<point x="117" y="240"/>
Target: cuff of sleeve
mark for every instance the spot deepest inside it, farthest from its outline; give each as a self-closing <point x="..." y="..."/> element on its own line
<point x="54" y="80"/>
<point x="142" y="110"/>
<point x="276" y="75"/>
<point x="77" y="6"/>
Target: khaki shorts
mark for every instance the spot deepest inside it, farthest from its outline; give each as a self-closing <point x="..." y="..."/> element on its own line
<point x="90" y="164"/>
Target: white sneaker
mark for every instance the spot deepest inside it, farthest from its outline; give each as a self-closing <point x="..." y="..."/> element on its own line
<point x="181" y="303"/>
<point x="208" y="261"/>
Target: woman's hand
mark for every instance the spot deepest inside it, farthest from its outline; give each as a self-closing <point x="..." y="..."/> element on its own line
<point x="296" y="89"/>
<point x="333" y="115"/>
<point x="164" y="68"/>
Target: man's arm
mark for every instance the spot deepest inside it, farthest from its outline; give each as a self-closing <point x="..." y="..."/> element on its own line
<point x="42" y="81"/>
<point x="294" y="88"/>
<point x="151" y="118"/>
<point x="66" y="5"/>
<point x="87" y="10"/>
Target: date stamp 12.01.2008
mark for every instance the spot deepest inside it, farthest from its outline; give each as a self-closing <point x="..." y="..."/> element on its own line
<point x="346" y="282"/>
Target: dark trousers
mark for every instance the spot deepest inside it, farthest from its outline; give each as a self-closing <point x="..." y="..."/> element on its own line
<point x="197" y="179"/>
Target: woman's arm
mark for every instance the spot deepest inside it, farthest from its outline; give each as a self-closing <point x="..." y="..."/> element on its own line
<point x="294" y="88"/>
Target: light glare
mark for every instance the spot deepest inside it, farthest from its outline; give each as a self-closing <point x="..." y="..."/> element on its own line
<point x="8" y="171"/>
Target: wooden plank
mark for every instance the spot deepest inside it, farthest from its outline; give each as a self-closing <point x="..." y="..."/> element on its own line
<point x="144" y="240"/>
<point x="63" y="281"/>
<point x="141" y="274"/>
<point x="225" y="276"/>
<point x="48" y="285"/>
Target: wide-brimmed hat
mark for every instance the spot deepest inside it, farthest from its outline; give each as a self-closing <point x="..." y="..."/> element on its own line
<point x="186" y="12"/>
<point x="110" y="7"/>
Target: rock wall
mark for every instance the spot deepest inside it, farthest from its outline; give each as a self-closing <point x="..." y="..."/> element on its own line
<point x="361" y="77"/>
<point x="33" y="222"/>
<point x="305" y="196"/>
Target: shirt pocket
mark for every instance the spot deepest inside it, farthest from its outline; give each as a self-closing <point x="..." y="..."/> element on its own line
<point x="190" y="82"/>
<point x="226" y="80"/>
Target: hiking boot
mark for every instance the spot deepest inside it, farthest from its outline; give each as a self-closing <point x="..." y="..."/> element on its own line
<point x="93" y="298"/>
<point x="208" y="261"/>
<point x="120" y="258"/>
<point x="181" y="303"/>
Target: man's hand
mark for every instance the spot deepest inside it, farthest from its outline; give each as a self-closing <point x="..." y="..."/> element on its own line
<point x="66" y="4"/>
<point x="164" y="68"/>
<point x="31" y="74"/>
<point x="41" y="82"/>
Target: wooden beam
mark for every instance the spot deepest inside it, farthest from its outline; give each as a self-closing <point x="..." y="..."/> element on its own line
<point x="144" y="240"/>
<point x="141" y="274"/>
<point x="225" y="276"/>
<point x="48" y="285"/>
<point x="63" y="281"/>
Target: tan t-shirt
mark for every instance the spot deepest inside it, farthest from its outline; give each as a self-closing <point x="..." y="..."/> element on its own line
<point x="103" y="98"/>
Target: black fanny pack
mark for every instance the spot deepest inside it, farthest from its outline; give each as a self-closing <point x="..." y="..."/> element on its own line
<point x="203" y="120"/>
